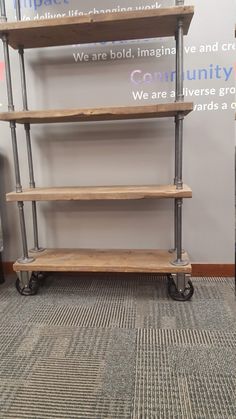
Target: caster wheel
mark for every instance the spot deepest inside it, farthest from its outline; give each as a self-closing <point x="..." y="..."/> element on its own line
<point x="40" y="277"/>
<point x="185" y="295"/>
<point x="32" y="289"/>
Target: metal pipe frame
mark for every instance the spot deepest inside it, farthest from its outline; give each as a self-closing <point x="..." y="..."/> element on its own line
<point x="18" y="10"/>
<point x="176" y="99"/>
<point x="179" y="97"/>
<point x="25" y="258"/>
<point x="176" y="140"/>
<point x="36" y="247"/>
<point x="179" y="144"/>
<point x="3" y="11"/>
<point x="29" y="151"/>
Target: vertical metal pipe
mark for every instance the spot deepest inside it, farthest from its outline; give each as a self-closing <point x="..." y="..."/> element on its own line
<point x="179" y="137"/>
<point x="176" y="160"/>
<point x="176" y="138"/>
<point x="179" y="151"/>
<point x="35" y="228"/>
<point x="23" y="228"/>
<point x="25" y="258"/>
<point x="8" y="73"/>
<point x="18" y="10"/>
<point x="176" y="99"/>
<point x="29" y="151"/>
<point x="179" y="96"/>
<point x="27" y="126"/>
<point x="11" y="108"/>
<point x="28" y="139"/>
<point x="176" y="224"/>
<point x="179" y="230"/>
<point x="23" y="79"/>
<point x="15" y="156"/>
<point x="30" y="159"/>
<point x="179" y="61"/>
<point x="3" y="11"/>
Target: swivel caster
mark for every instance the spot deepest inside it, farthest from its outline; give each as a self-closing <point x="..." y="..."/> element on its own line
<point x="180" y="293"/>
<point x="40" y="276"/>
<point x="27" y="289"/>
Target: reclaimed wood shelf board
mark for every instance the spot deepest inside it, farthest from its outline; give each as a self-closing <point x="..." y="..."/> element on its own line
<point x="102" y="27"/>
<point x="92" y="193"/>
<point x="95" y="260"/>
<point x="160" y="110"/>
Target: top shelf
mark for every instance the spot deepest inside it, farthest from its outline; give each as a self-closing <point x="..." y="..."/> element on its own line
<point x="97" y="28"/>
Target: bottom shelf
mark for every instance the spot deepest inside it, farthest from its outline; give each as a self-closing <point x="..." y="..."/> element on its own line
<point x="95" y="260"/>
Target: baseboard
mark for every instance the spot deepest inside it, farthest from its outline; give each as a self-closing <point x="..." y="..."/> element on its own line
<point x="213" y="269"/>
<point x="199" y="269"/>
<point x="8" y="268"/>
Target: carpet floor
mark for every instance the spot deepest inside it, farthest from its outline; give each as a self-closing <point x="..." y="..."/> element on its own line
<point x="116" y="346"/>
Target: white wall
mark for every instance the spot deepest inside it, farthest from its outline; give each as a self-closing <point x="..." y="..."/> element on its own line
<point x="133" y="152"/>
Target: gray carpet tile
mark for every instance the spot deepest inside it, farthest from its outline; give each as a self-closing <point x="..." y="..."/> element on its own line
<point x="107" y="346"/>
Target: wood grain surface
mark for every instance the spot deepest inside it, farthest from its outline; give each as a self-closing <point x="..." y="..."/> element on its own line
<point x="86" y="193"/>
<point x="94" y="260"/>
<point x="97" y="28"/>
<point x="98" y="114"/>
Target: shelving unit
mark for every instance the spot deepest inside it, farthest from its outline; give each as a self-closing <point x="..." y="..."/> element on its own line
<point x="163" y="22"/>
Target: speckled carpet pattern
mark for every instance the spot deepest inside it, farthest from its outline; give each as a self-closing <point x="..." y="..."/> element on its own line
<point x="116" y="346"/>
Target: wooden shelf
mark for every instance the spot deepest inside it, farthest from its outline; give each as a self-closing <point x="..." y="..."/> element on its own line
<point x="97" y="28"/>
<point x="100" y="192"/>
<point x="94" y="260"/>
<point x="98" y="114"/>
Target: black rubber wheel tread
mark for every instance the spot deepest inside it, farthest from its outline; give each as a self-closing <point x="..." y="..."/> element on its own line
<point x="180" y="296"/>
<point x="41" y="276"/>
<point x="32" y="289"/>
